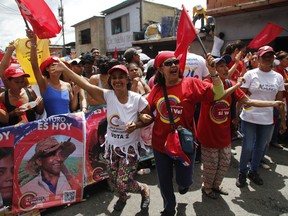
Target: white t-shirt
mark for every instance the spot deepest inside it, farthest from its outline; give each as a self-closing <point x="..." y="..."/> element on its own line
<point x="217" y="45"/>
<point x="118" y="115"/>
<point x="262" y="86"/>
<point x="195" y="66"/>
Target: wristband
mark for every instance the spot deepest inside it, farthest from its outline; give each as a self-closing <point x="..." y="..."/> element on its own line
<point x="215" y="75"/>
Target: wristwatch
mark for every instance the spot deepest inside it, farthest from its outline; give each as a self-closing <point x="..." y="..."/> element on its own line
<point x="215" y="75"/>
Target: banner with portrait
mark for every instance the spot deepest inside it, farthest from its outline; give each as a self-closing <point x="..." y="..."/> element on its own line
<point x="96" y="128"/>
<point x="49" y="161"/>
<point x="6" y="166"/>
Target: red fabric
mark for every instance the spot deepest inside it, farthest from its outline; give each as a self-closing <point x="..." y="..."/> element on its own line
<point x="39" y="15"/>
<point x="161" y="57"/>
<point x="269" y="33"/>
<point x="183" y="98"/>
<point x="2" y="106"/>
<point x="186" y="33"/>
<point x="115" y="55"/>
<point x="214" y="122"/>
<point x="174" y="149"/>
<point x="285" y="79"/>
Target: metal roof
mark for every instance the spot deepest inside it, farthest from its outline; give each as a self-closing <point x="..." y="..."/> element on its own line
<point x="119" y="6"/>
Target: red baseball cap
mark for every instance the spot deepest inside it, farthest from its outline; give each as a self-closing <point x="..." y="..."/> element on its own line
<point x="265" y="49"/>
<point x="47" y="62"/>
<point x="162" y="56"/>
<point x="119" y="67"/>
<point x="14" y="72"/>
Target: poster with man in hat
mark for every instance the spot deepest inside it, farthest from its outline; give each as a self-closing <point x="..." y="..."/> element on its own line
<point x="49" y="161"/>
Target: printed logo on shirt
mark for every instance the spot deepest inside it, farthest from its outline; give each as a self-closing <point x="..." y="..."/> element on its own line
<point x="219" y="112"/>
<point x="266" y="87"/>
<point x="176" y="108"/>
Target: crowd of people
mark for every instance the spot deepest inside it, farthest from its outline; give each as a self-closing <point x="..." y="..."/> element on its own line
<point x="202" y="99"/>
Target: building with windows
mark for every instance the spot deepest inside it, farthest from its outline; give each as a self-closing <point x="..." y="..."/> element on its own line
<point x="121" y="25"/>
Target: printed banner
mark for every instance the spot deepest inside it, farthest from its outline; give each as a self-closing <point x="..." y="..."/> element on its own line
<point x="96" y="128"/>
<point x="6" y="166"/>
<point x="49" y="161"/>
<point x="23" y="55"/>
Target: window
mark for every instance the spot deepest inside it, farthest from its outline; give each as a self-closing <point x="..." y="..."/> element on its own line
<point x="120" y="24"/>
<point x="85" y="36"/>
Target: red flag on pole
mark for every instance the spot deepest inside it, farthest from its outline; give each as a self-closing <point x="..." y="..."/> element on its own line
<point x="41" y="18"/>
<point x="115" y="55"/>
<point x="268" y="34"/>
<point x="186" y="33"/>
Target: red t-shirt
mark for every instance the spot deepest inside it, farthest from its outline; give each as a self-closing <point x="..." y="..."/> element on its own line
<point x="213" y="130"/>
<point x="238" y="72"/>
<point x="285" y="79"/>
<point x="183" y="98"/>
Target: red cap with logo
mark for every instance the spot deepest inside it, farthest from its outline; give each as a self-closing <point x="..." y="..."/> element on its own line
<point x="14" y="72"/>
<point x="48" y="61"/>
<point x="265" y="49"/>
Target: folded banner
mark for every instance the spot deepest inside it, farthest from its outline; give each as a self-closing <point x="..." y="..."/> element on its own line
<point x="40" y="16"/>
<point x="23" y="55"/>
<point x="268" y="34"/>
<point x="186" y="33"/>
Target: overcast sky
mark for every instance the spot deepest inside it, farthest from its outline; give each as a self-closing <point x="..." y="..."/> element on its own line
<point x="12" y="25"/>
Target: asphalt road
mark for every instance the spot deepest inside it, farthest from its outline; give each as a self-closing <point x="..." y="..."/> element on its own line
<point x="269" y="199"/>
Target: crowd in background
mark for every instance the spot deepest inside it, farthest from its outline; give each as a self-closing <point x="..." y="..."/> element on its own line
<point x="236" y="76"/>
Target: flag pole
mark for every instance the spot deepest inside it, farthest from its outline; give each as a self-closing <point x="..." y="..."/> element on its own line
<point x="26" y="23"/>
<point x="201" y="43"/>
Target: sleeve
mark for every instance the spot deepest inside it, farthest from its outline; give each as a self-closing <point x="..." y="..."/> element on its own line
<point x="142" y="104"/>
<point x="247" y="77"/>
<point x="151" y="98"/>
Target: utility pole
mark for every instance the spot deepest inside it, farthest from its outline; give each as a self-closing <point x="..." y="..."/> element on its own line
<point x="61" y="17"/>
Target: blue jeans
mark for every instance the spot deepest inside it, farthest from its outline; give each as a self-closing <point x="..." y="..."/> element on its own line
<point x="255" y="139"/>
<point x="184" y="174"/>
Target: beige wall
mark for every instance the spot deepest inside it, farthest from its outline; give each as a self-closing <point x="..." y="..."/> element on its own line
<point x="97" y="27"/>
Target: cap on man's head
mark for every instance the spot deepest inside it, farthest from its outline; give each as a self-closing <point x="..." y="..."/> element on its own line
<point x="226" y="58"/>
<point x="119" y="67"/>
<point x="129" y="53"/>
<point x="162" y="56"/>
<point x="14" y="72"/>
<point x="46" y="146"/>
<point x="265" y="49"/>
<point x="75" y="61"/>
<point x="47" y="62"/>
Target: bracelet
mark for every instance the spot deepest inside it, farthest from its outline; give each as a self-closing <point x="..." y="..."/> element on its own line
<point x="215" y="75"/>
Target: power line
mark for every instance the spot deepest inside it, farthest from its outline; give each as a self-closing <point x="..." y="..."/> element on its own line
<point x="9" y="8"/>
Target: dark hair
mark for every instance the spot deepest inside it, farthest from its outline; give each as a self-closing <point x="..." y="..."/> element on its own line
<point x="6" y="151"/>
<point x="281" y="55"/>
<point x="112" y="63"/>
<point x="94" y="48"/>
<point x="102" y="64"/>
<point x="87" y="58"/>
<point x="221" y="35"/>
<point x="150" y="72"/>
<point x="230" y="48"/>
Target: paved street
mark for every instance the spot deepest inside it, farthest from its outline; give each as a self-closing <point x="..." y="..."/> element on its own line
<point x="269" y="199"/>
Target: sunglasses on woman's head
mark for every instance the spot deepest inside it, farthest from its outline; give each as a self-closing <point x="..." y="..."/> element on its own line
<point x="169" y="63"/>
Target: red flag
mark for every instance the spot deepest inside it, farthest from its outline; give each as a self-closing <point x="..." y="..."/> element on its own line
<point x="268" y="34"/>
<point x="115" y="55"/>
<point x="186" y="33"/>
<point x="39" y="15"/>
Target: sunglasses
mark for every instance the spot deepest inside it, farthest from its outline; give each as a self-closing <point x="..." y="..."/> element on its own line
<point x="169" y="63"/>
